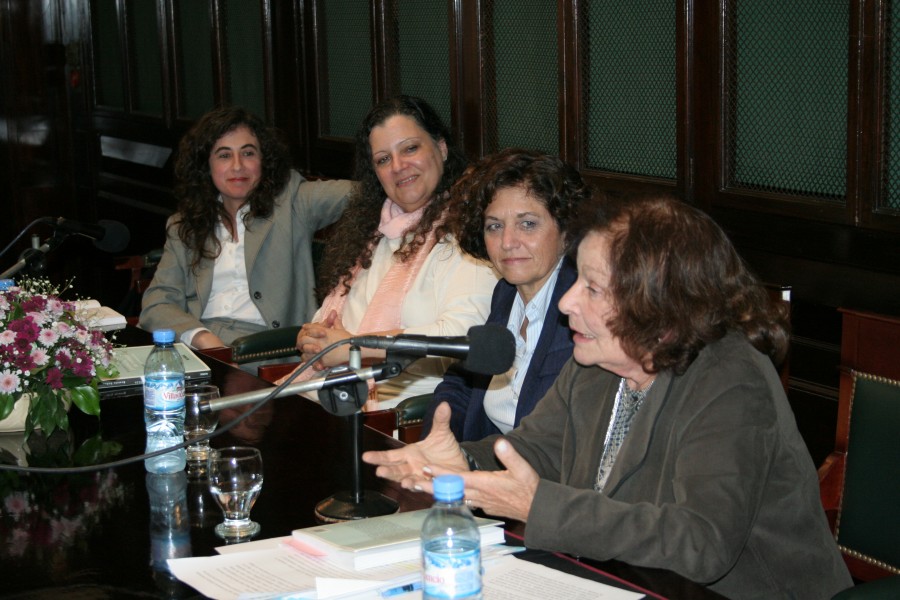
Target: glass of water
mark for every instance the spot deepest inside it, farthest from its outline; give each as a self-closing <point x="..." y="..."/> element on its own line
<point x="198" y="424"/>
<point x="235" y="480"/>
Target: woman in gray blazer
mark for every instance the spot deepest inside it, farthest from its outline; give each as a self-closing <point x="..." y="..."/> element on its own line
<point x="238" y="256"/>
<point x="667" y="441"/>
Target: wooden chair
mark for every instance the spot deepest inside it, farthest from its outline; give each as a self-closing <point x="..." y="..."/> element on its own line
<point x="142" y="269"/>
<point x="860" y="480"/>
<point x="782" y="293"/>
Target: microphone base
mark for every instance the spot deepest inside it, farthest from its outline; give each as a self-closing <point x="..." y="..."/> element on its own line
<point x="343" y="507"/>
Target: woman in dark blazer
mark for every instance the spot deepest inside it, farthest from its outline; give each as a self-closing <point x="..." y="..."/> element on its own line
<point x="514" y="208"/>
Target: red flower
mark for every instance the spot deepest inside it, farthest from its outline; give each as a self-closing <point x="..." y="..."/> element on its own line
<point x="26" y="331"/>
<point x="54" y="378"/>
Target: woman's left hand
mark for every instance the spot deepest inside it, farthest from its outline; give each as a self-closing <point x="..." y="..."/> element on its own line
<point x="314" y="337"/>
<point x="506" y="493"/>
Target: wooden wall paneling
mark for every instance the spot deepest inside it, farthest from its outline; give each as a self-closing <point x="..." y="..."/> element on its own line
<point x="569" y="32"/>
<point x="474" y="87"/>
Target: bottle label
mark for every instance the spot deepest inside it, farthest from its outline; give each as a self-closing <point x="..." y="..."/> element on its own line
<point x="166" y="394"/>
<point x="456" y="575"/>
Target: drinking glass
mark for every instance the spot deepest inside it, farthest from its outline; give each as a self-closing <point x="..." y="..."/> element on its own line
<point x="196" y="423"/>
<point x="235" y="480"/>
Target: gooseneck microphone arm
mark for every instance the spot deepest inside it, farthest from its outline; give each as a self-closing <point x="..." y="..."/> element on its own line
<point x="376" y="372"/>
<point x="108" y="236"/>
<point x="33" y="258"/>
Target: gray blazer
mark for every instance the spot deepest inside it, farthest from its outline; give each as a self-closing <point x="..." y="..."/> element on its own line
<point x="278" y="255"/>
<point x="713" y="480"/>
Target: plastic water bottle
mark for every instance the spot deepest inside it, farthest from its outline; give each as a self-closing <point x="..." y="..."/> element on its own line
<point x="164" y="403"/>
<point x="451" y="545"/>
<point x="170" y="528"/>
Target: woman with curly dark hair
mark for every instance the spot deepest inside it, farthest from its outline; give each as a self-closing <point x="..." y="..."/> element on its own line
<point x="667" y="441"/>
<point x="237" y="258"/>
<point x="392" y="266"/>
<point x="516" y="209"/>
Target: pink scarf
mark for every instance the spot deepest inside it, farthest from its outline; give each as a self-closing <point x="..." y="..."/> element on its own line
<point x="383" y="311"/>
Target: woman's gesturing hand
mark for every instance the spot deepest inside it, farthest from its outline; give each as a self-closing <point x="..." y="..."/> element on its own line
<point x="407" y="465"/>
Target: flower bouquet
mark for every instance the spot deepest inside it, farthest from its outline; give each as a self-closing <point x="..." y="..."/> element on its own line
<point x="49" y="356"/>
<point x="47" y="519"/>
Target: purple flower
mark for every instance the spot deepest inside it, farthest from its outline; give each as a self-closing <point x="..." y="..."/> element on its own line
<point x="34" y="304"/>
<point x="82" y="366"/>
<point x="64" y="359"/>
<point x="26" y="329"/>
<point x="24" y="362"/>
<point x="54" y="378"/>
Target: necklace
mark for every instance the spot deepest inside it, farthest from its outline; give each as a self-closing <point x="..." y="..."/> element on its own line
<point x="632" y="397"/>
<point x="627" y="403"/>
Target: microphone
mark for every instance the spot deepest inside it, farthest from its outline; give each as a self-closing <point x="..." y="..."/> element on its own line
<point x="109" y="236"/>
<point x="487" y="349"/>
<point x="349" y="376"/>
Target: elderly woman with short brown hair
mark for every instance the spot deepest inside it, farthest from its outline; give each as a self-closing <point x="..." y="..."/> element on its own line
<point x="667" y="441"/>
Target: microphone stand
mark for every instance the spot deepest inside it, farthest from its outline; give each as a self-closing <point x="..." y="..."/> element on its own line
<point x="358" y="503"/>
<point x="342" y="393"/>
<point x="33" y="258"/>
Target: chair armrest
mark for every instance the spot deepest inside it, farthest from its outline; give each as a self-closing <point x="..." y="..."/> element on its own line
<point x="412" y="410"/>
<point x="273" y="373"/>
<point x="879" y="589"/>
<point x="264" y="345"/>
<point x="831" y="483"/>
<point x="223" y="353"/>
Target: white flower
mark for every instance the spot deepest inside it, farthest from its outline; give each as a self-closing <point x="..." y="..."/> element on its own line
<point x="7" y="337"/>
<point x="9" y="382"/>
<point x="55" y="306"/>
<point x="40" y="356"/>
<point x="48" y="337"/>
<point x="39" y="317"/>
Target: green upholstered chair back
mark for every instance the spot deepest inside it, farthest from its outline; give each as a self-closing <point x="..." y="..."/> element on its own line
<point x="868" y="523"/>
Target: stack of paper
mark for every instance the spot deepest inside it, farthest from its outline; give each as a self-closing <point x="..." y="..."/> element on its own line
<point x="269" y="569"/>
<point x="378" y="541"/>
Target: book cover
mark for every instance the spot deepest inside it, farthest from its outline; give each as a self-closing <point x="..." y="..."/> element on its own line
<point x="95" y="316"/>
<point x="129" y="360"/>
<point x="377" y="541"/>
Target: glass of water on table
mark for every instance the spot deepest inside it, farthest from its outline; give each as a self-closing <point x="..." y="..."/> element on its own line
<point x="235" y="480"/>
<point x="198" y="424"/>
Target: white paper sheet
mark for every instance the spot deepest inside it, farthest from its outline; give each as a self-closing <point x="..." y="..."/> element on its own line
<point x="511" y="579"/>
<point x="284" y="573"/>
<point x="280" y="571"/>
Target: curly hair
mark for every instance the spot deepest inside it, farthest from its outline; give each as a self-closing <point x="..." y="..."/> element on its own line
<point x="199" y="212"/>
<point x="678" y="283"/>
<point x="548" y="179"/>
<point x="356" y="234"/>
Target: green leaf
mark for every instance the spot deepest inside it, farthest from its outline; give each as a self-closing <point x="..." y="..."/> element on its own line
<point x="87" y="399"/>
<point x="105" y="372"/>
<point x="94" y="450"/>
<point x="7" y="402"/>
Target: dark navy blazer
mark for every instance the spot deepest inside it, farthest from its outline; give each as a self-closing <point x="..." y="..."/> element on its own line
<point x="465" y="391"/>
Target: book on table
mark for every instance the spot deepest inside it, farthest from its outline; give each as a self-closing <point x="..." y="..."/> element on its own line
<point x="95" y="316"/>
<point x="129" y="360"/>
<point x="378" y="541"/>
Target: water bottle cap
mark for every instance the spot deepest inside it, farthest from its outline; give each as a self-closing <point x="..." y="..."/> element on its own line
<point x="448" y="488"/>
<point x="163" y="336"/>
